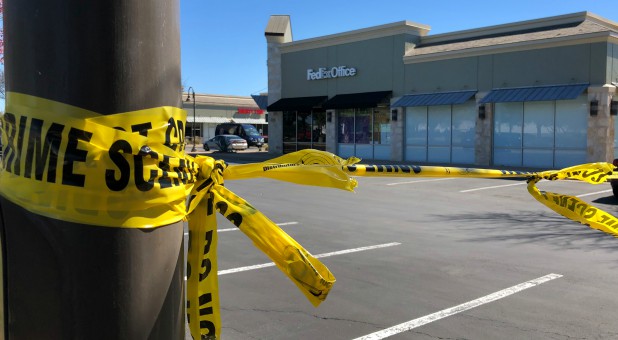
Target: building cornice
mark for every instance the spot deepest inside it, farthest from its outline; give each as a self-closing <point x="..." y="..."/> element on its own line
<point x="609" y="37"/>
<point x="507" y="28"/>
<point x="397" y="28"/>
<point x="220" y="100"/>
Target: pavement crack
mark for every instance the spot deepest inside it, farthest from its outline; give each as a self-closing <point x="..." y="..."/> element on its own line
<point x="522" y="329"/>
<point x="439" y="337"/>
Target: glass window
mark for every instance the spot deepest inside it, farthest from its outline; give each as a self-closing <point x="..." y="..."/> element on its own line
<point x="381" y="126"/>
<point x="538" y="125"/>
<point x="565" y="158"/>
<point x="304" y="126"/>
<point x="508" y="124"/>
<point x="346" y="126"/>
<point x="538" y="158"/>
<point x="464" y="124"/>
<point x="438" y="154"/>
<point x="363" y="126"/>
<point x="416" y="153"/>
<point x="508" y="156"/>
<point x="289" y="126"/>
<point x="439" y="125"/>
<point x="462" y="155"/>
<point x="318" y="134"/>
<point x="572" y="123"/>
<point x="416" y="125"/>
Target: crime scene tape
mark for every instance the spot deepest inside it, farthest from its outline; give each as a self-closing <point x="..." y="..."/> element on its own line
<point x="130" y="170"/>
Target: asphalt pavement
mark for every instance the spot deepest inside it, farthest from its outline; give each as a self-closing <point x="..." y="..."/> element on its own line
<point x="423" y="258"/>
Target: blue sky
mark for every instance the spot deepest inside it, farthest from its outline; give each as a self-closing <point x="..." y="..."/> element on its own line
<point x="223" y="49"/>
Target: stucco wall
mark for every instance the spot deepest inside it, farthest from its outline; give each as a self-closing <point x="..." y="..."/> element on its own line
<point x="557" y="65"/>
<point x="378" y="63"/>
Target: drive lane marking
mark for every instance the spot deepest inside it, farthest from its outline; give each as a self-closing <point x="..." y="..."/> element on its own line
<point x="406" y="326"/>
<point x="232" y="229"/>
<point x="270" y="264"/>
<point x="421" y="181"/>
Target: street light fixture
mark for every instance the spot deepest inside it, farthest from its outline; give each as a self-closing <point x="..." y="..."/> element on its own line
<point x="191" y="93"/>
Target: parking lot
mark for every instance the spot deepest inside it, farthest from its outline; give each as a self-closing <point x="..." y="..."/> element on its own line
<point x="424" y="258"/>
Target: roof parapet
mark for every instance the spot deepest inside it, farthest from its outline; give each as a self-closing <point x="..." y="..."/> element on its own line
<point x="507" y="28"/>
<point x="400" y="27"/>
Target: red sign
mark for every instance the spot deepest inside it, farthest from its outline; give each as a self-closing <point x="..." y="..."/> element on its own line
<point x="248" y="110"/>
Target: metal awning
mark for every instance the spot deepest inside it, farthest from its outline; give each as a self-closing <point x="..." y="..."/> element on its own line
<point x="357" y="100"/>
<point x="535" y="93"/>
<point x="249" y="120"/>
<point x="297" y="104"/>
<point x="432" y="99"/>
<point x="202" y="119"/>
<point x="219" y="120"/>
<point x="261" y="101"/>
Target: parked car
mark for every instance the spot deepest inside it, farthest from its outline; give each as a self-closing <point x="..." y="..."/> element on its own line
<point x="246" y="131"/>
<point x="614" y="182"/>
<point x="226" y="143"/>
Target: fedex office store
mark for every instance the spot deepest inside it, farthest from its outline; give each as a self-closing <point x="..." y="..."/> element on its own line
<point x="535" y="94"/>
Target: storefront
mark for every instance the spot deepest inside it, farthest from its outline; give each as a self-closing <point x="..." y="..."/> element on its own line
<point x="303" y="123"/>
<point x="534" y="94"/>
<point x="212" y="110"/>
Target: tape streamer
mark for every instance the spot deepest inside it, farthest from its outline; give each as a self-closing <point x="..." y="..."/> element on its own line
<point x="130" y="170"/>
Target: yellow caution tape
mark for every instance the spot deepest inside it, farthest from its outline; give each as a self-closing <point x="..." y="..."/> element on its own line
<point x="572" y="207"/>
<point x="74" y="165"/>
<point x="429" y="171"/>
<point x="130" y="170"/>
<point x="568" y="206"/>
<point x="307" y="167"/>
<point x="311" y="276"/>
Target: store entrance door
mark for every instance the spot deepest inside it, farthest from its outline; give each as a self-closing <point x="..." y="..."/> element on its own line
<point x="304" y="130"/>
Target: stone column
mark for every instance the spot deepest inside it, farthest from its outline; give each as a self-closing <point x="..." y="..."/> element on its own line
<point x="278" y="32"/>
<point x="484" y="132"/>
<point x="600" y="144"/>
<point x="397" y="134"/>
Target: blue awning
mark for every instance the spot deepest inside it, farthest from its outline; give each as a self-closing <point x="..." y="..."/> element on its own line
<point x="261" y="101"/>
<point x="431" y="99"/>
<point x="536" y="93"/>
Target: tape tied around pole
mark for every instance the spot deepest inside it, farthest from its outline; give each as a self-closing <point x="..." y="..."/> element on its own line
<point x="130" y="170"/>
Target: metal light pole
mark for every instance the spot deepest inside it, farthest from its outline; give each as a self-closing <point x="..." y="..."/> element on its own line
<point x="191" y="93"/>
<point x="73" y="280"/>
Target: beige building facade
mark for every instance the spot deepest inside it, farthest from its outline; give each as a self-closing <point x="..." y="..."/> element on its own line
<point x="211" y="110"/>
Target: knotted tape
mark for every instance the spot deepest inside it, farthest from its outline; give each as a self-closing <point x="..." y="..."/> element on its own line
<point x="130" y="170"/>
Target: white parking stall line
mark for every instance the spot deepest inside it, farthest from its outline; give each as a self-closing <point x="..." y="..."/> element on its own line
<point x="232" y="229"/>
<point x="341" y="252"/>
<point x="420" y="181"/>
<point x="406" y="326"/>
<point x="594" y="193"/>
<point x="287" y="223"/>
<point x="494" y="187"/>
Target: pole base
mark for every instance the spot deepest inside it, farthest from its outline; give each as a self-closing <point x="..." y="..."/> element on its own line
<point x="72" y="281"/>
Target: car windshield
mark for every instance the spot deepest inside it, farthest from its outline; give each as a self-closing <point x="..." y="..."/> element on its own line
<point x="251" y="130"/>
